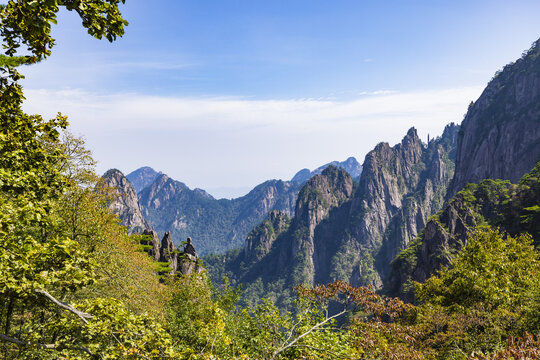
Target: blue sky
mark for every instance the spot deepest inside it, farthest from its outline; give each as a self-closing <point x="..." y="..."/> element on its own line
<point x="223" y="95"/>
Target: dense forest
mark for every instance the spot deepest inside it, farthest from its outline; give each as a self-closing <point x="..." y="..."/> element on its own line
<point x="75" y="285"/>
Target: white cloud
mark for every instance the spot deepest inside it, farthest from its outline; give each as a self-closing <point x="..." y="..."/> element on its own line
<point x="235" y="142"/>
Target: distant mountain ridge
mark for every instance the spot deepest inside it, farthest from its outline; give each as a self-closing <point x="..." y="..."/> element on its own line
<point x="351" y="165"/>
<point x="142" y="177"/>
<point x="215" y="225"/>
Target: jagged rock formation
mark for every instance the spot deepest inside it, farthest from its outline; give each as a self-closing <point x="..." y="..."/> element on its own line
<point x="340" y="231"/>
<point x="152" y="245"/>
<point x="500" y="135"/>
<point x="351" y="165"/>
<point x="259" y="241"/>
<point x="399" y="189"/>
<point x="126" y="204"/>
<point x="173" y="261"/>
<point x="512" y="208"/>
<point x="316" y="200"/>
<point x="499" y="139"/>
<point x="142" y="177"/>
<point x="168" y="252"/>
<point x="218" y="225"/>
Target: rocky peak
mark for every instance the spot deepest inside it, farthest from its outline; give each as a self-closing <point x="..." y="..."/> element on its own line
<point x="500" y="134"/>
<point x="162" y="190"/>
<point x="351" y="165"/>
<point x="152" y="245"/>
<point x="168" y="253"/>
<point x="259" y="241"/>
<point x="142" y="177"/>
<point x="388" y="174"/>
<point x="125" y="204"/>
<point x="320" y="194"/>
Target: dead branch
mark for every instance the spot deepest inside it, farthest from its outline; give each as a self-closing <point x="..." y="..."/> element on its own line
<point x="82" y="315"/>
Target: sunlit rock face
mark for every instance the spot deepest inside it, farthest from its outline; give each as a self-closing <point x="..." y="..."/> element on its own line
<point x="125" y="203"/>
<point x="500" y="135"/>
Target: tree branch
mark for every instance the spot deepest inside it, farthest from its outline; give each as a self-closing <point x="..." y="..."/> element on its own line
<point x="307" y="333"/>
<point x="43" y="346"/>
<point x="82" y="315"/>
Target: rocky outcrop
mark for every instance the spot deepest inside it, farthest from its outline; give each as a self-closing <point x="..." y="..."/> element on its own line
<point x="151" y="246"/>
<point x="259" y="241"/>
<point x="500" y="135"/>
<point x="168" y="253"/>
<point x="351" y="165"/>
<point x="188" y="260"/>
<point x="173" y="261"/>
<point x="125" y="203"/>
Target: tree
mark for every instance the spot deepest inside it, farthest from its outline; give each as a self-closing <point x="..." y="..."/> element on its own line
<point x="490" y="293"/>
<point x="48" y="264"/>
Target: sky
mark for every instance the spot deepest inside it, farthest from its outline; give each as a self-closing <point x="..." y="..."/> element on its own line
<point x="223" y="95"/>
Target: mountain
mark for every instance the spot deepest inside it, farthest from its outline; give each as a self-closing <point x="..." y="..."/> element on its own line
<point x="215" y="225"/>
<point x="348" y="232"/>
<point x="351" y="165"/>
<point x="511" y="208"/>
<point x="125" y="204"/>
<point x="500" y="135"/>
<point x="142" y="177"/>
<point x="499" y="139"/>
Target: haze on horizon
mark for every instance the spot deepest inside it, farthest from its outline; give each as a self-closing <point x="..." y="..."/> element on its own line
<point x="229" y="94"/>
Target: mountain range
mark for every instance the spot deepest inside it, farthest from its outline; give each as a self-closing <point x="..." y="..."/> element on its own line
<point x="216" y="225"/>
<point x="403" y="220"/>
<point x="409" y="210"/>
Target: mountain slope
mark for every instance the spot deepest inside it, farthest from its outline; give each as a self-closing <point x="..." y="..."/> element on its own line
<point x="142" y="177"/>
<point x="126" y="204"/>
<point x="512" y="208"/>
<point x="348" y="232"/>
<point x="500" y="135"/>
<point x="215" y="225"/>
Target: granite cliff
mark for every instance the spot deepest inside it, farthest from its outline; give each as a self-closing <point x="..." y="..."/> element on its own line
<point x="500" y="135"/>
<point x="125" y="203"/>
<point x="499" y="139"/>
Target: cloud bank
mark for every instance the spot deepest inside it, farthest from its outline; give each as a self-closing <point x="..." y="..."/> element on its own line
<point x="220" y="142"/>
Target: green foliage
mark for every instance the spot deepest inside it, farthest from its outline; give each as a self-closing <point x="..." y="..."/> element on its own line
<point x="68" y="270"/>
<point x="488" y="294"/>
<point x="491" y="271"/>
